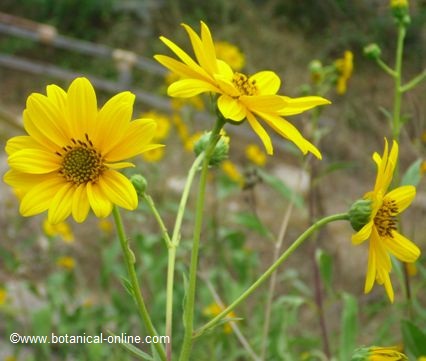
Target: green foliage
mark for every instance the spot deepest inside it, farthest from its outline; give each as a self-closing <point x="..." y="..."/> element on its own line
<point x="349" y="327"/>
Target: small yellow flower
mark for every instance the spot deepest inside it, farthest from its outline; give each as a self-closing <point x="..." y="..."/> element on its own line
<point x="61" y="229"/>
<point x="106" y="226"/>
<point x="163" y="124"/>
<point x="381" y="227"/>
<point x="241" y="97"/>
<point x="214" y="309"/>
<point x="230" y="54"/>
<point x="154" y="155"/>
<point x="66" y="262"/>
<point x="421" y="358"/>
<point x="231" y="170"/>
<point x="255" y="155"/>
<point x="399" y="4"/>
<point x="69" y="161"/>
<point x="344" y="68"/>
<point x="386" y="354"/>
<point x="3" y="296"/>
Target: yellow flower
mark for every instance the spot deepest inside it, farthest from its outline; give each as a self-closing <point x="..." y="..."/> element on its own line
<point x="230" y="54"/>
<point x="68" y="162"/>
<point x="154" y="155"/>
<point x="106" y="226"/>
<point x="386" y="354"/>
<point x="422" y="358"/>
<point x="344" y="68"/>
<point x="381" y="228"/>
<point x="3" y="296"/>
<point x="66" y="262"/>
<point x="399" y="3"/>
<point x="231" y="170"/>
<point x="10" y="358"/>
<point x="214" y="309"/>
<point x="255" y="155"/>
<point x="162" y="121"/>
<point x="189" y="142"/>
<point x="61" y="229"/>
<point x="240" y="96"/>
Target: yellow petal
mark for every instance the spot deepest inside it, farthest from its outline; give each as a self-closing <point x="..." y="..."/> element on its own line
<point x="138" y="136"/>
<point x="261" y="132"/>
<point x="99" y="202"/>
<point x="402" y="248"/>
<point x="402" y="196"/>
<point x="34" y="161"/>
<point x="57" y="96"/>
<point x="231" y="108"/>
<point x="30" y="125"/>
<point x="118" y="189"/>
<point x="267" y="82"/>
<point x="82" y="108"/>
<point x="181" y="69"/>
<point x="363" y="234"/>
<point x="388" y="284"/>
<point x="39" y="198"/>
<point x="371" y="269"/>
<point x="208" y="44"/>
<point x="21" y="142"/>
<point x="119" y="165"/>
<point x="263" y="103"/>
<point x="299" y="105"/>
<point x="60" y="207"/>
<point x="80" y="204"/>
<point x="113" y="121"/>
<point x="24" y="181"/>
<point x="187" y="88"/>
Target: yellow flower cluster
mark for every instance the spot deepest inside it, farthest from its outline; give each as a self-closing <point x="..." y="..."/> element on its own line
<point x="344" y="68"/>
<point x="255" y="155"/>
<point x="66" y="262"/>
<point x="62" y="230"/>
<point x="163" y="124"/>
<point x="230" y="54"/>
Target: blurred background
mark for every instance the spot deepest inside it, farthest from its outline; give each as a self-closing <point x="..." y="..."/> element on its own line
<point x="66" y="280"/>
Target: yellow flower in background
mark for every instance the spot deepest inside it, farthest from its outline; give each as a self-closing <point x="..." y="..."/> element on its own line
<point x="163" y="124"/>
<point x="214" y="309"/>
<point x="106" y="226"/>
<point x="255" y="155"/>
<point x="61" y="229"/>
<point x="10" y="358"/>
<point x="411" y="269"/>
<point x="66" y="262"/>
<point x="422" y="358"/>
<point x="241" y="97"/>
<point x="191" y="140"/>
<point x="232" y="172"/>
<point x="3" y="296"/>
<point x="399" y="3"/>
<point x="154" y="155"/>
<point x="386" y="354"/>
<point x="68" y="162"/>
<point x="344" y="68"/>
<point x="230" y="54"/>
<point x="381" y="227"/>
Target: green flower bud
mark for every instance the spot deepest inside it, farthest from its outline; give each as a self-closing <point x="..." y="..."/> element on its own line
<point x="360" y="213"/>
<point x="139" y="182"/>
<point x="221" y="149"/>
<point x="400" y="11"/>
<point x="372" y="51"/>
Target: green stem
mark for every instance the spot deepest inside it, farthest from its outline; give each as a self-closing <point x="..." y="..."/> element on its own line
<point x="413" y="82"/>
<point x="190" y="294"/>
<point x="386" y="68"/>
<point x="174" y="243"/>
<point x="148" y="199"/>
<point x="317" y="225"/>
<point x="129" y="259"/>
<point x="396" y="122"/>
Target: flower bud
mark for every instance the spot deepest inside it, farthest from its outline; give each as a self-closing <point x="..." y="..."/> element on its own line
<point x="221" y="149"/>
<point x="139" y="182"/>
<point x="360" y="213"/>
<point x="400" y="11"/>
<point x="372" y="51"/>
<point x="316" y="70"/>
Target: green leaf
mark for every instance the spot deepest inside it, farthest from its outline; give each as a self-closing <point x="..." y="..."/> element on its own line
<point x="251" y="221"/>
<point x="414" y="338"/>
<point x="325" y="265"/>
<point x="282" y="188"/>
<point x="349" y="327"/>
<point x="133" y="350"/>
<point x="412" y="175"/>
<point x="127" y="286"/>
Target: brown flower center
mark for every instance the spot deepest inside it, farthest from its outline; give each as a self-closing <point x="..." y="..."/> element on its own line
<point x="385" y="219"/>
<point x="81" y="162"/>
<point x="244" y="84"/>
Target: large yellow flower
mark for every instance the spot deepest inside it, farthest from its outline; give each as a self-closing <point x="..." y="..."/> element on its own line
<point x="68" y="162"/>
<point x="240" y="96"/>
<point x="381" y="228"/>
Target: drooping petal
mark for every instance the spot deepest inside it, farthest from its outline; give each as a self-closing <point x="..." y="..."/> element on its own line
<point x="263" y="103"/>
<point x="99" y="202"/>
<point x="118" y="189"/>
<point x="401" y="247"/>
<point x="60" y="207"/>
<point x="135" y="141"/>
<point x="231" y="108"/>
<point x="187" y="88"/>
<point x="402" y="196"/>
<point x="299" y="105"/>
<point x="388" y="284"/>
<point x="34" y="161"/>
<point x="39" y="198"/>
<point x="363" y="234"/>
<point x="80" y="204"/>
<point x="263" y="135"/>
<point x="371" y="268"/>
<point x="267" y="82"/>
<point x="113" y="121"/>
<point x="82" y="108"/>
